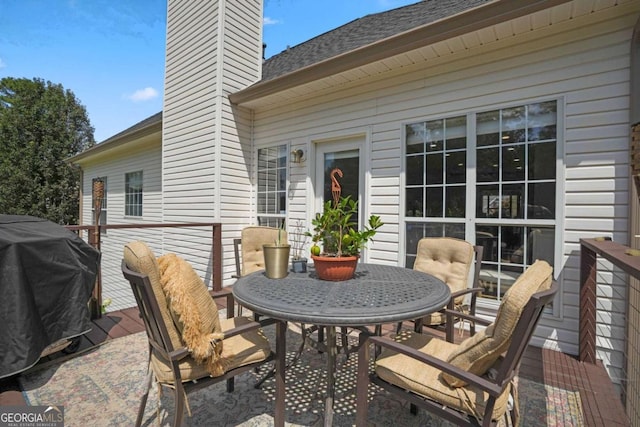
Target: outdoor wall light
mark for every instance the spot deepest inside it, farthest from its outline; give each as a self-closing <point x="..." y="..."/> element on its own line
<point x="297" y="156"/>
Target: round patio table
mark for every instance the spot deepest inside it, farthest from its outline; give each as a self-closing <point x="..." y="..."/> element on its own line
<point x="377" y="294"/>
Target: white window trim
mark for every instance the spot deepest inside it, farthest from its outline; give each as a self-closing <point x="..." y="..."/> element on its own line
<point x="141" y="172"/>
<point x="258" y="215"/>
<point x="485" y="306"/>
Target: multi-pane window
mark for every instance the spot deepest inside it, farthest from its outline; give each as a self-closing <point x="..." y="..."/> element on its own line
<point x="435" y="191"/>
<point x="133" y="194"/>
<point x="272" y="185"/>
<point x="509" y="199"/>
<point x="515" y="191"/>
<point x="103" y="205"/>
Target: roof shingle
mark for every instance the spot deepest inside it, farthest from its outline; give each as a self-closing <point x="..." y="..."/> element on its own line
<point x="361" y="32"/>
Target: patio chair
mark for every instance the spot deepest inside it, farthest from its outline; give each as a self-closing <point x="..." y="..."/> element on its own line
<point x="466" y="383"/>
<point x="248" y="251"/>
<point x="449" y="260"/>
<point x="189" y="346"/>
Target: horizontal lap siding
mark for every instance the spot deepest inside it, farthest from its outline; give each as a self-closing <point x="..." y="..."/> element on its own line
<point x="583" y="63"/>
<point x="148" y="160"/>
<point x="189" y="115"/>
<point x="213" y="49"/>
<point x="241" y="67"/>
<point x="597" y="170"/>
<point x="189" y="129"/>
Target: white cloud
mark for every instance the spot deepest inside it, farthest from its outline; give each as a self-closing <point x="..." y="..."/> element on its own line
<point x="269" y="21"/>
<point x="2" y="64"/>
<point x="143" y="94"/>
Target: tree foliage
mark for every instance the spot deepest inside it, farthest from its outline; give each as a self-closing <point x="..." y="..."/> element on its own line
<point x="41" y="125"/>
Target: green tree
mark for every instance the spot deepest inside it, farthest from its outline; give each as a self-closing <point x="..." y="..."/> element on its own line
<point x="41" y="125"/>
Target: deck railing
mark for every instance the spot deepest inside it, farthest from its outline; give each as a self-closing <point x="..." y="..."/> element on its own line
<point x="627" y="260"/>
<point x="94" y="238"/>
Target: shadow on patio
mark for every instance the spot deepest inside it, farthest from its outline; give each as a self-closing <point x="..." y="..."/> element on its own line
<point x="107" y="373"/>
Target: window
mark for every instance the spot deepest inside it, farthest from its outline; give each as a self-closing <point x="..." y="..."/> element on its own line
<point x="272" y="185"/>
<point x="507" y="196"/>
<point x="133" y="194"/>
<point x="515" y="191"/>
<point x="95" y="188"/>
<point x="435" y="190"/>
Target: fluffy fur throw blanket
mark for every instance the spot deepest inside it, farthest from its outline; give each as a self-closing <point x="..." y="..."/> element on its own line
<point x="194" y="312"/>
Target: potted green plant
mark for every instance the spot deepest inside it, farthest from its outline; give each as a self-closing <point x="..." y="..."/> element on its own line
<point x="336" y="229"/>
<point x="276" y="256"/>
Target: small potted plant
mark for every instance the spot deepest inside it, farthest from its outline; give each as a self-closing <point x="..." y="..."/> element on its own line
<point x="336" y="229"/>
<point x="298" y="260"/>
<point x="276" y="256"/>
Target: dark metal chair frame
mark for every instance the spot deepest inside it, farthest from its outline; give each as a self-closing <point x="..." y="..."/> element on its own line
<point x="507" y="370"/>
<point x="160" y="343"/>
<point x="236" y="252"/>
<point x="474" y="292"/>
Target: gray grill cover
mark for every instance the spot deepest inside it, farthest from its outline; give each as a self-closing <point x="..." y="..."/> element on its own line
<point x="47" y="274"/>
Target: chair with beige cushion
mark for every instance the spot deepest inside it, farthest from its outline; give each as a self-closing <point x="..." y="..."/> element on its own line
<point x="248" y="250"/>
<point x="466" y="383"/>
<point x="190" y="347"/>
<point x="450" y="260"/>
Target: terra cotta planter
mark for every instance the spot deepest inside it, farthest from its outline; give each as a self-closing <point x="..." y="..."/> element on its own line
<point x="335" y="269"/>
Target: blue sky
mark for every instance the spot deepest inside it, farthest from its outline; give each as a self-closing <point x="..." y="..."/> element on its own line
<point x="110" y="53"/>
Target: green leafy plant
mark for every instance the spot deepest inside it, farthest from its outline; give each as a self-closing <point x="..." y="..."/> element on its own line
<point x="336" y="228"/>
<point x="105" y="303"/>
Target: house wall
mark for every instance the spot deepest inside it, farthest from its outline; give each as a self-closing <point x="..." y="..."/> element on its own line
<point x="583" y="63"/>
<point x="212" y="49"/>
<point x="114" y="168"/>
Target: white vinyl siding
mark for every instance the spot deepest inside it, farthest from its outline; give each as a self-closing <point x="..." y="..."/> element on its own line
<point x="114" y="169"/>
<point x="242" y="44"/>
<point x="584" y="65"/>
<point x="190" y="108"/>
<point x="213" y="48"/>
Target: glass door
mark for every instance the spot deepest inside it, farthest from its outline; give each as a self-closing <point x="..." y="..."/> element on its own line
<point x="339" y="167"/>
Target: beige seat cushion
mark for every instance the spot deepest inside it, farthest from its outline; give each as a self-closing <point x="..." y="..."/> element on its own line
<point x="194" y="311"/>
<point x="253" y="238"/>
<point x="140" y="258"/>
<point x="449" y="260"/>
<point x="238" y="351"/>
<point x="478" y="353"/>
<point x="426" y="380"/>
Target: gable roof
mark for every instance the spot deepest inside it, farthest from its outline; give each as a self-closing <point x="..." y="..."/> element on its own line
<point x="133" y="133"/>
<point x="362" y="31"/>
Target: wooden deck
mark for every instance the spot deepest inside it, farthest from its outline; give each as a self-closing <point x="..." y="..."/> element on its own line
<point x="602" y="406"/>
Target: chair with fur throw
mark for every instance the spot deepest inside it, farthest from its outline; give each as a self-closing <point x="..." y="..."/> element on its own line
<point x="189" y="346"/>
